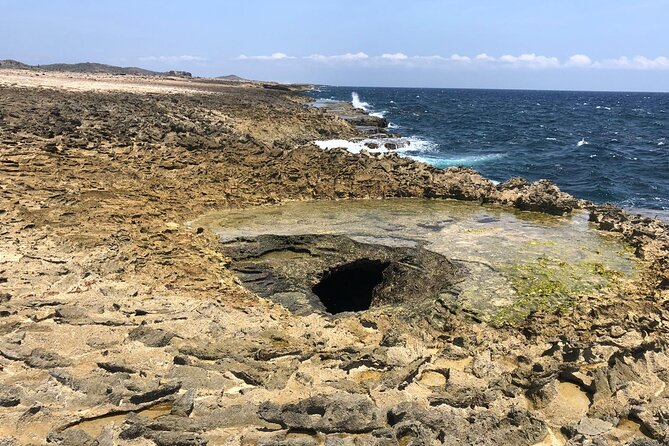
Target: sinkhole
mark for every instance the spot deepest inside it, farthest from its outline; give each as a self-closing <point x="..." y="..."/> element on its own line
<point x="350" y="287"/>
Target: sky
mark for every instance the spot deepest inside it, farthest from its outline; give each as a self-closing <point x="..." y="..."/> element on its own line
<point x="620" y="45"/>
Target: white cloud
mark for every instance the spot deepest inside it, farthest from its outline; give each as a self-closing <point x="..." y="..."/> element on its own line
<point x="459" y="58"/>
<point x="483" y="57"/>
<point x="172" y="59"/>
<point x="395" y="56"/>
<point x="483" y="60"/>
<point x="348" y="57"/>
<point x="579" y="60"/>
<point x="530" y="61"/>
<point x="635" y="63"/>
<point x="274" y="56"/>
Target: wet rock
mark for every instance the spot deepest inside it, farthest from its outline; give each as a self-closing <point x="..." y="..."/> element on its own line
<point x="327" y="413"/>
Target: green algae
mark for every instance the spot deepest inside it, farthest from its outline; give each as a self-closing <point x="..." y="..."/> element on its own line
<point x="552" y="285"/>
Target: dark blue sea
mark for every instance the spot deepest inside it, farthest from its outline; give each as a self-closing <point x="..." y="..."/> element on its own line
<point x="601" y="146"/>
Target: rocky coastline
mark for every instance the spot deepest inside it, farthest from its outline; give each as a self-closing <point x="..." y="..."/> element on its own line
<point x="120" y="324"/>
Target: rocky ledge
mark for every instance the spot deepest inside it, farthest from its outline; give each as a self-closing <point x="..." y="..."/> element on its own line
<point x="121" y="325"/>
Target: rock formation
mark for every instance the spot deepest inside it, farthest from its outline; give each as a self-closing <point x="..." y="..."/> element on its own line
<point x="121" y="325"/>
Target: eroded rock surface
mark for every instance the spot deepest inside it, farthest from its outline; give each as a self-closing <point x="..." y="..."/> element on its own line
<point x="120" y="325"/>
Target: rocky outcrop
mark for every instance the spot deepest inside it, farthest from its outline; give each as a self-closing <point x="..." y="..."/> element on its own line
<point x="542" y="196"/>
<point x="649" y="237"/>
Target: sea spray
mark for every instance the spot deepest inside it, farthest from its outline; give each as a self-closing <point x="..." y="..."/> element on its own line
<point x="357" y="103"/>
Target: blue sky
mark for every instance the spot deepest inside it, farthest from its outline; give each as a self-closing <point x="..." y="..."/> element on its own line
<point x="544" y="44"/>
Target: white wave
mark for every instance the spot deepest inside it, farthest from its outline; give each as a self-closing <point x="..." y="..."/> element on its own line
<point x="582" y="142"/>
<point x="379" y="145"/>
<point x="392" y="125"/>
<point x="661" y="143"/>
<point x="551" y="139"/>
<point x="380" y="114"/>
<point x="357" y="103"/>
<point x="599" y="107"/>
<point x="411" y="147"/>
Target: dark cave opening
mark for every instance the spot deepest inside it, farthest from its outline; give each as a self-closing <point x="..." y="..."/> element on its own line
<point x="350" y="287"/>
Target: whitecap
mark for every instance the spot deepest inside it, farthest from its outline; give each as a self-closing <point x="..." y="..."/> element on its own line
<point x="551" y="139"/>
<point x="392" y="125"/>
<point x="582" y="142"/>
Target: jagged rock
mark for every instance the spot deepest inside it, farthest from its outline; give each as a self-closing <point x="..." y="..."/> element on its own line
<point x="414" y="423"/>
<point x="542" y="196"/>
<point x="183" y="406"/>
<point x="114" y="367"/>
<point x="152" y="395"/>
<point x="593" y="426"/>
<point x="10" y="396"/>
<point x="72" y="437"/>
<point x="177" y="439"/>
<point x="91" y="178"/>
<point x="44" y="359"/>
<point x="150" y="337"/>
<point x="325" y="413"/>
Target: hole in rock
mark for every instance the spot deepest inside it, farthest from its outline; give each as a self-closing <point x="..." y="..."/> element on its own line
<point x="350" y="287"/>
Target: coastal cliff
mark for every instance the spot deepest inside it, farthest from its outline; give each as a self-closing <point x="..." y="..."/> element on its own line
<point x="122" y="324"/>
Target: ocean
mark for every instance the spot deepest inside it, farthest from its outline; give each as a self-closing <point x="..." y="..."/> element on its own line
<point x="601" y="146"/>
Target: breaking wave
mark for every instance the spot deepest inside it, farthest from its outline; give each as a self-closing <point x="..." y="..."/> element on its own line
<point x="411" y="147"/>
<point x="402" y="146"/>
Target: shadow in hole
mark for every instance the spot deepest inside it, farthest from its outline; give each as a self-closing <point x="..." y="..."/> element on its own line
<point x="350" y="287"/>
